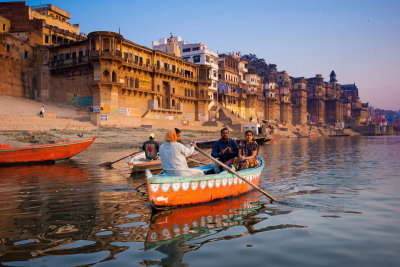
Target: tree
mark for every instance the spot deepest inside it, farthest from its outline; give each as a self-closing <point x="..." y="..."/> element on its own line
<point x="262" y="68"/>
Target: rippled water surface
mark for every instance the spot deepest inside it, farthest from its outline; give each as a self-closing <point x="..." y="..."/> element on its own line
<point x="338" y="203"/>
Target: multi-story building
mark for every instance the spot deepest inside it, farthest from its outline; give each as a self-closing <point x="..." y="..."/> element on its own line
<point x="358" y="111"/>
<point x="195" y="53"/>
<point x="272" y="102"/>
<point x="126" y="81"/>
<point x="285" y="85"/>
<point x="334" y="105"/>
<point x="228" y="93"/>
<point x="316" y="96"/>
<point x="299" y="100"/>
<point x="40" y="25"/>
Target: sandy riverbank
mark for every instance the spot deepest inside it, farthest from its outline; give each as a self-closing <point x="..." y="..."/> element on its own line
<point x="20" y="124"/>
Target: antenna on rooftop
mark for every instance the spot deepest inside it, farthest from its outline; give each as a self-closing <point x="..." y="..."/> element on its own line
<point x="119" y="30"/>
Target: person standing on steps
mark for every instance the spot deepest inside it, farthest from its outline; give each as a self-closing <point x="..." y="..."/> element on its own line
<point x="41" y="113"/>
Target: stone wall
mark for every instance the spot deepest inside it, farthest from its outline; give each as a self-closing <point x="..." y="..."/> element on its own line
<point x="16" y="72"/>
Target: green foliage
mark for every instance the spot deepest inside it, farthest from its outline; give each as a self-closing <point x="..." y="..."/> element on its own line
<point x="262" y="68"/>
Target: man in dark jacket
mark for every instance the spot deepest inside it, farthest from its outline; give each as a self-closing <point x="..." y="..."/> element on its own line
<point x="151" y="148"/>
<point x="224" y="149"/>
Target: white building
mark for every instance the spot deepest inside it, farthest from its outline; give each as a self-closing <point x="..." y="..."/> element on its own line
<point x="195" y="53"/>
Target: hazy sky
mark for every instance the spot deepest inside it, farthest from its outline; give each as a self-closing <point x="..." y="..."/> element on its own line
<point x="358" y="39"/>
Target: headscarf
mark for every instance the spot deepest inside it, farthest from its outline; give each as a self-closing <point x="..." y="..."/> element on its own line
<point x="171" y="136"/>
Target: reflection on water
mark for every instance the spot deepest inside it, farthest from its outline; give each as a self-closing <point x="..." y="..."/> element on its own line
<point x="171" y="230"/>
<point x="337" y="203"/>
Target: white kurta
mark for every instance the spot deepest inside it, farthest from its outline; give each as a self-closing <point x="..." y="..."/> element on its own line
<point x="173" y="159"/>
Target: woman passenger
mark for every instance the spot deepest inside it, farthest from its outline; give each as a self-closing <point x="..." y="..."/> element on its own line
<point x="248" y="151"/>
<point x="173" y="155"/>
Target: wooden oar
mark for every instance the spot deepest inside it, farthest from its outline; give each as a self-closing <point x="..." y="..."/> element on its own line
<point x="108" y="164"/>
<point x="235" y="173"/>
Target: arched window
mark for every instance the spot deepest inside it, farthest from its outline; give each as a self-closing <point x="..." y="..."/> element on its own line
<point x="185" y="92"/>
<point x="173" y="102"/>
<point x="126" y="81"/>
<point x="201" y="94"/>
<point x="106" y="76"/>
<point x="137" y="83"/>
<point x="131" y="82"/>
<point x="114" y="77"/>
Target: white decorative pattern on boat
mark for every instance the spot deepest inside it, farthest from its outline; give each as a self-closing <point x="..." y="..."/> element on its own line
<point x="217" y="183"/>
<point x="185" y="185"/>
<point x="203" y="184"/>
<point x="224" y="182"/>
<point x="210" y="183"/>
<point x="165" y="187"/>
<point x="194" y="185"/>
<point x="154" y="187"/>
<point x="230" y="180"/>
<point x="176" y="186"/>
<point x="235" y="180"/>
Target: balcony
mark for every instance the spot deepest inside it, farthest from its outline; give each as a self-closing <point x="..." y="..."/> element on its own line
<point x="94" y="54"/>
<point x="64" y="63"/>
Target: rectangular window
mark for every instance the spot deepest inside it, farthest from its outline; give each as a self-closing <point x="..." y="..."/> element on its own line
<point x="26" y="54"/>
<point x="148" y="62"/>
<point x="208" y="59"/>
<point x="4" y="27"/>
<point x="136" y="59"/>
<point x="67" y="56"/>
<point x="46" y="39"/>
<point x="80" y="53"/>
<point x="196" y="59"/>
<point x="185" y="50"/>
<point x="158" y="87"/>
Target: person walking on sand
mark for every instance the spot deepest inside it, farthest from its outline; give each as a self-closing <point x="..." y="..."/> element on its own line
<point x="151" y="148"/>
<point x="173" y="156"/>
<point x="41" y="113"/>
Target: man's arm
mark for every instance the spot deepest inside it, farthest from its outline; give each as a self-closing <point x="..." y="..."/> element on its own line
<point x="215" y="150"/>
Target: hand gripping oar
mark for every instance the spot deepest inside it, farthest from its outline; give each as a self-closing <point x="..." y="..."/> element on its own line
<point x="235" y="173"/>
<point x="108" y="164"/>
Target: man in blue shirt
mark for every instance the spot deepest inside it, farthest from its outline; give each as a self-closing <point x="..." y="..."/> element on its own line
<point x="224" y="149"/>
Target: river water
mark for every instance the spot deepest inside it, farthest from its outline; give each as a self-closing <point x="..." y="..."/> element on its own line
<point x="338" y="204"/>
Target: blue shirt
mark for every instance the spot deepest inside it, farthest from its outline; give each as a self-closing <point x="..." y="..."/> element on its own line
<point x="220" y="145"/>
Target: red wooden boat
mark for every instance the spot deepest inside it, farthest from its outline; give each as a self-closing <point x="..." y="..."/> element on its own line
<point x="42" y="153"/>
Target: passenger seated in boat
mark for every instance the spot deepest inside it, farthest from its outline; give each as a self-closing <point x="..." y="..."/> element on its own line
<point x="173" y="155"/>
<point x="151" y="148"/>
<point x="225" y="150"/>
<point x="248" y="151"/>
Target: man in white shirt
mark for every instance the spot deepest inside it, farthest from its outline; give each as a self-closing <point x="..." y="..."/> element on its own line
<point x="173" y="155"/>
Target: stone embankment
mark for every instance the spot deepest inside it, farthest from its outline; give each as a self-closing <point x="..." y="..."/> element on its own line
<point x="20" y="123"/>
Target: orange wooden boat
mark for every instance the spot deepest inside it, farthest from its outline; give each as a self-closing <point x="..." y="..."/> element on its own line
<point x="42" y="153"/>
<point x="189" y="222"/>
<point x="166" y="191"/>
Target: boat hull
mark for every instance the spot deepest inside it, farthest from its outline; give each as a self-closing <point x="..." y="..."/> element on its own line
<point x="43" y="153"/>
<point x="167" y="191"/>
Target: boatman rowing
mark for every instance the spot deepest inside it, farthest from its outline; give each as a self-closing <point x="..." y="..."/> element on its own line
<point x="173" y="155"/>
